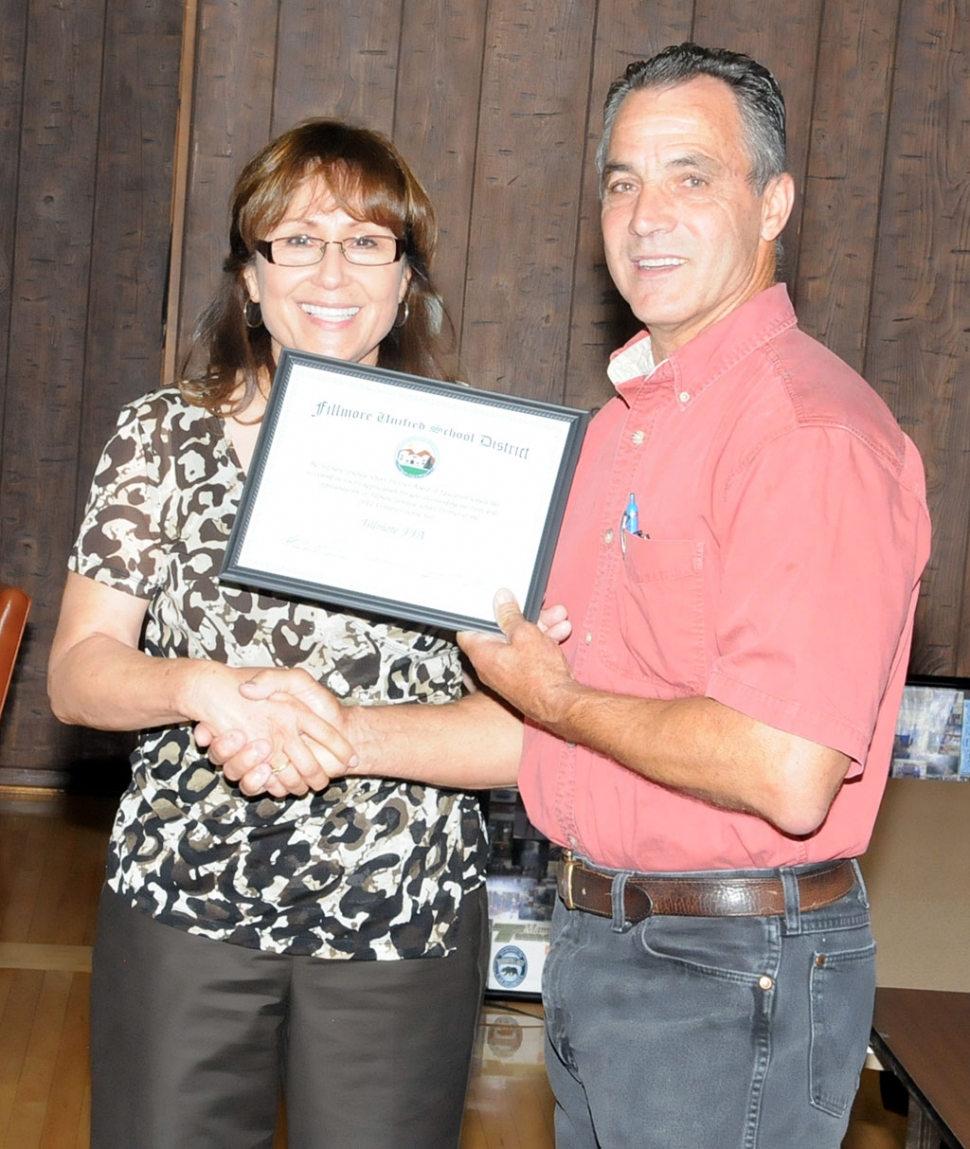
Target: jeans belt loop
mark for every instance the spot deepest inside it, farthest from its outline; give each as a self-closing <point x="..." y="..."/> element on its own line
<point x="620" y="922"/>
<point x="793" y="905"/>
<point x="861" y="883"/>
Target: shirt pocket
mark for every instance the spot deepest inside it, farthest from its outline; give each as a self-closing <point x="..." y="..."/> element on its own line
<point x="655" y="616"/>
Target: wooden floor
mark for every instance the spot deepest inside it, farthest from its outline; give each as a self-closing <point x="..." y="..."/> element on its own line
<point x="51" y="865"/>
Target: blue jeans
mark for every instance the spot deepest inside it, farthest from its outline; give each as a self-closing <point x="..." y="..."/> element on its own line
<point x="714" y="1033"/>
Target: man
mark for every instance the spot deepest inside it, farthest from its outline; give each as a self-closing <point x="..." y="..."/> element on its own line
<point x="740" y="561"/>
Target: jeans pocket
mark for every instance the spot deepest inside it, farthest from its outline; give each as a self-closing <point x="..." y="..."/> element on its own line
<point x="843" y="986"/>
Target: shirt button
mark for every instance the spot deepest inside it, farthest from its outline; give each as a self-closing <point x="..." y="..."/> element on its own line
<point x="573" y="842"/>
<point x="684" y="396"/>
<point x="608" y="537"/>
<point x="637" y="438"/>
<point x="589" y="637"/>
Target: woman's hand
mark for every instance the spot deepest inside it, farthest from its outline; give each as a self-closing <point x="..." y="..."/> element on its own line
<point x="258" y="763"/>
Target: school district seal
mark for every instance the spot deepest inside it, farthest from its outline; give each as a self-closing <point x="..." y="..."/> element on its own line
<point x="416" y="458"/>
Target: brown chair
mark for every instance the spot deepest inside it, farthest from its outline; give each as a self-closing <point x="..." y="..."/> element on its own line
<point x="14" y="605"/>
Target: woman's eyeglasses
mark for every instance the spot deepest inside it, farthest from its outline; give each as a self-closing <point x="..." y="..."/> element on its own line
<point x="304" y="250"/>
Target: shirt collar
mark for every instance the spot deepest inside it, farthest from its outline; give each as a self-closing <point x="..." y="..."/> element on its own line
<point x="705" y="357"/>
<point x="633" y="361"/>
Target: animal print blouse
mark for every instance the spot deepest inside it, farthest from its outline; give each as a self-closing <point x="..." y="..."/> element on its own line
<point x="368" y="869"/>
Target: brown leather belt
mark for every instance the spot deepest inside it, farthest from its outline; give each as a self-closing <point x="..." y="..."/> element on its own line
<point x="583" y="888"/>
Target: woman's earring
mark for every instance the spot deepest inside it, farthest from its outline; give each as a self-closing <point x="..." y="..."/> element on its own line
<point x="252" y="314"/>
<point x="402" y="319"/>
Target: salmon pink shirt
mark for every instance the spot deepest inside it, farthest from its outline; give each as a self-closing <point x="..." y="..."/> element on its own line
<point x="784" y="530"/>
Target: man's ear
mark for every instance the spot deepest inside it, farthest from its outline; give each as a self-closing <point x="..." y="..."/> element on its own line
<point x="777" y="201"/>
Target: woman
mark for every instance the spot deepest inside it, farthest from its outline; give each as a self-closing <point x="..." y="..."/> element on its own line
<point x="329" y="934"/>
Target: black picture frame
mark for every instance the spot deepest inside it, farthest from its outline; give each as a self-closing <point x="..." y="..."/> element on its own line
<point x="268" y="563"/>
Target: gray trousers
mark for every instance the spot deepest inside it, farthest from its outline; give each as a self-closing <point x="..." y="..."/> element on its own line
<point x="715" y="1033"/>
<point x="191" y="1040"/>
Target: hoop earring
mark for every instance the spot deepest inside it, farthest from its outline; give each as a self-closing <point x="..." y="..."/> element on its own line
<point x="252" y="314"/>
<point x="402" y="319"/>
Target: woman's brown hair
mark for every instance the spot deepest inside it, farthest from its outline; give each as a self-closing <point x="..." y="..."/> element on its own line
<point x="369" y="180"/>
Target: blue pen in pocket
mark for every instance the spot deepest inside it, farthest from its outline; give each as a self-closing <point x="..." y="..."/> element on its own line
<point x="631" y="516"/>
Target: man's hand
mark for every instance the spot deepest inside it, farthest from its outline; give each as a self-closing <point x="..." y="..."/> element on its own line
<point x="526" y="666"/>
<point x="554" y="623"/>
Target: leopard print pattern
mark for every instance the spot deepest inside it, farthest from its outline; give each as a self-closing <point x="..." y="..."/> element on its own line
<point x="369" y="868"/>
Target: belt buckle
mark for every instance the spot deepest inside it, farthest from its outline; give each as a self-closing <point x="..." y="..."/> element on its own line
<point x="566" y="884"/>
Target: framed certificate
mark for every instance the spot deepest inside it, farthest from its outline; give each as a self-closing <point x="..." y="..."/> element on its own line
<point x="402" y="496"/>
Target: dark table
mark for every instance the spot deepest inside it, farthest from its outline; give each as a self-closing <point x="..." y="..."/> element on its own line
<point x="923" y="1036"/>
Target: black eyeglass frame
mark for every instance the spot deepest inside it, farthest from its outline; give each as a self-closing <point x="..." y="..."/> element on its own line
<point x="265" y="249"/>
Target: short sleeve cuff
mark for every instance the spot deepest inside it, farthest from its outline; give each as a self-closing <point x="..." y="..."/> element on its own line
<point x="826" y="729"/>
<point x="115" y="576"/>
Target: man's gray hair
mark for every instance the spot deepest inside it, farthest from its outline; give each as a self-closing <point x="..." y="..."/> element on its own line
<point x="760" y="101"/>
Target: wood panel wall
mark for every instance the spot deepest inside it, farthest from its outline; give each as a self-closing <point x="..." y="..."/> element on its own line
<point x="88" y="113"/>
<point x="497" y="104"/>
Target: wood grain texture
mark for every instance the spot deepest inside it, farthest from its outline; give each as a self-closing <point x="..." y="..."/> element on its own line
<point x="52" y="865"/>
<point x="132" y="215"/>
<point x="27" y="955"/>
<point x="441" y="58"/>
<point x="52" y="856"/>
<point x="89" y="272"/>
<point x="131" y="228"/>
<point x="67" y="1116"/>
<point x="848" y="142"/>
<point x="927" y="1032"/>
<point x="788" y="46"/>
<point x="337" y="60"/>
<point x="49" y="290"/>
<point x="20" y="992"/>
<point x="918" y="350"/>
<point x="13" y="48"/>
<point x="525" y="216"/>
<point x="232" y="113"/>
